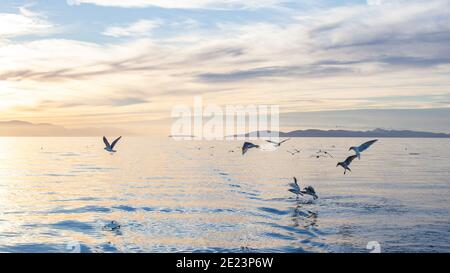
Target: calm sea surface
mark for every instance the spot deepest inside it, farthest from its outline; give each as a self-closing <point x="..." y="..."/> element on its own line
<point x="57" y="194"/>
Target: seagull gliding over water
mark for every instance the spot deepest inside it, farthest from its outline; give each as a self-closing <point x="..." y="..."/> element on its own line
<point x="248" y="145"/>
<point x="277" y="144"/>
<point x="362" y="148"/>
<point x="295" y="151"/>
<point x="110" y="147"/>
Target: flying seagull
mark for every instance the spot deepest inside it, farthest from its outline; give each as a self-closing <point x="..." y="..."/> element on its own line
<point x="295" y="151"/>
<point x="295" y="189"/>
<point x="277" y="144"/>
<point x="110" y="147"/>
<point x="325" y="152"/>
<point x="248" y="145"/>
<point x="362" y="148"/>
<point x="346" y="163"/>
<point x="319" y="156"/>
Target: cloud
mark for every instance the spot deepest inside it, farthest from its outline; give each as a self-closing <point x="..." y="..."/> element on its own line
<point x="140" y="28"/>
<point x="405" y="24"/>
<point x="128" y="101"/>
<point x="188" y="23"/>
<point x="24" y="23"/>
<point x="274" y="72"/>
<point x="191" y="4"/>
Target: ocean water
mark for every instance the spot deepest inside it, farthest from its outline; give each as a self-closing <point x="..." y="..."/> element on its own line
<point x="57" y="194"/>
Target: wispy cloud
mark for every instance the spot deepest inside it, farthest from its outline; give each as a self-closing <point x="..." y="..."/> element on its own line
<point x="275" y="72"/>
<point x="191" y="4"/>
<point x="127" y="101"/>
<point x="140" y="28"/>
<point x="25" y="22"/>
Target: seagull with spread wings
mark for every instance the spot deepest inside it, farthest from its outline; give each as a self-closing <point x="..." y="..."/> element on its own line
<point x="325" y="153"/>
<point x="110" y="147"/>
<point x="295" y="151"/>
<point x="346" y="164"/>
<point x="277" y="144"/>
<point x="358" y="150"/>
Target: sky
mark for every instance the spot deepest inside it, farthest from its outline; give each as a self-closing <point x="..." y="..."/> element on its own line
<point x="126" y="64"/>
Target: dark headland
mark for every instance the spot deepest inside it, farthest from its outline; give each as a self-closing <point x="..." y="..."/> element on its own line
<point x="377" y="133"/>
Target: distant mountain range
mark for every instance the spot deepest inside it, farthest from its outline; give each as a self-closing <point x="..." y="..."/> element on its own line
<point x="18" y="128"/>
<point x="23" y="129"/>
<point x="377" y="133"/>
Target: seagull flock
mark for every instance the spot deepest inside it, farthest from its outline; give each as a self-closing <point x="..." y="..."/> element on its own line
<point x="295" y="188"/>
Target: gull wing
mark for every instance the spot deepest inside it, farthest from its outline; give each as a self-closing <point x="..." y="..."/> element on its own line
<point x="295" y="191"/>
<point x="284" y="141"/>
<point x="115" y="142"/>
<point x="295" y="185"/>
<point x="349" y="160"/>
<point x="106" y="142"/>
<point x="366" y="145"/>
<point x="273" y="142"/>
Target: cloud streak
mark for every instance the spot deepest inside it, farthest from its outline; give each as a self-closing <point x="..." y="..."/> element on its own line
<point x="176" y="4"/>
<point x="275" y="72"/>
<point x="23" y="23"/>
<point x="140" y="28"/>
